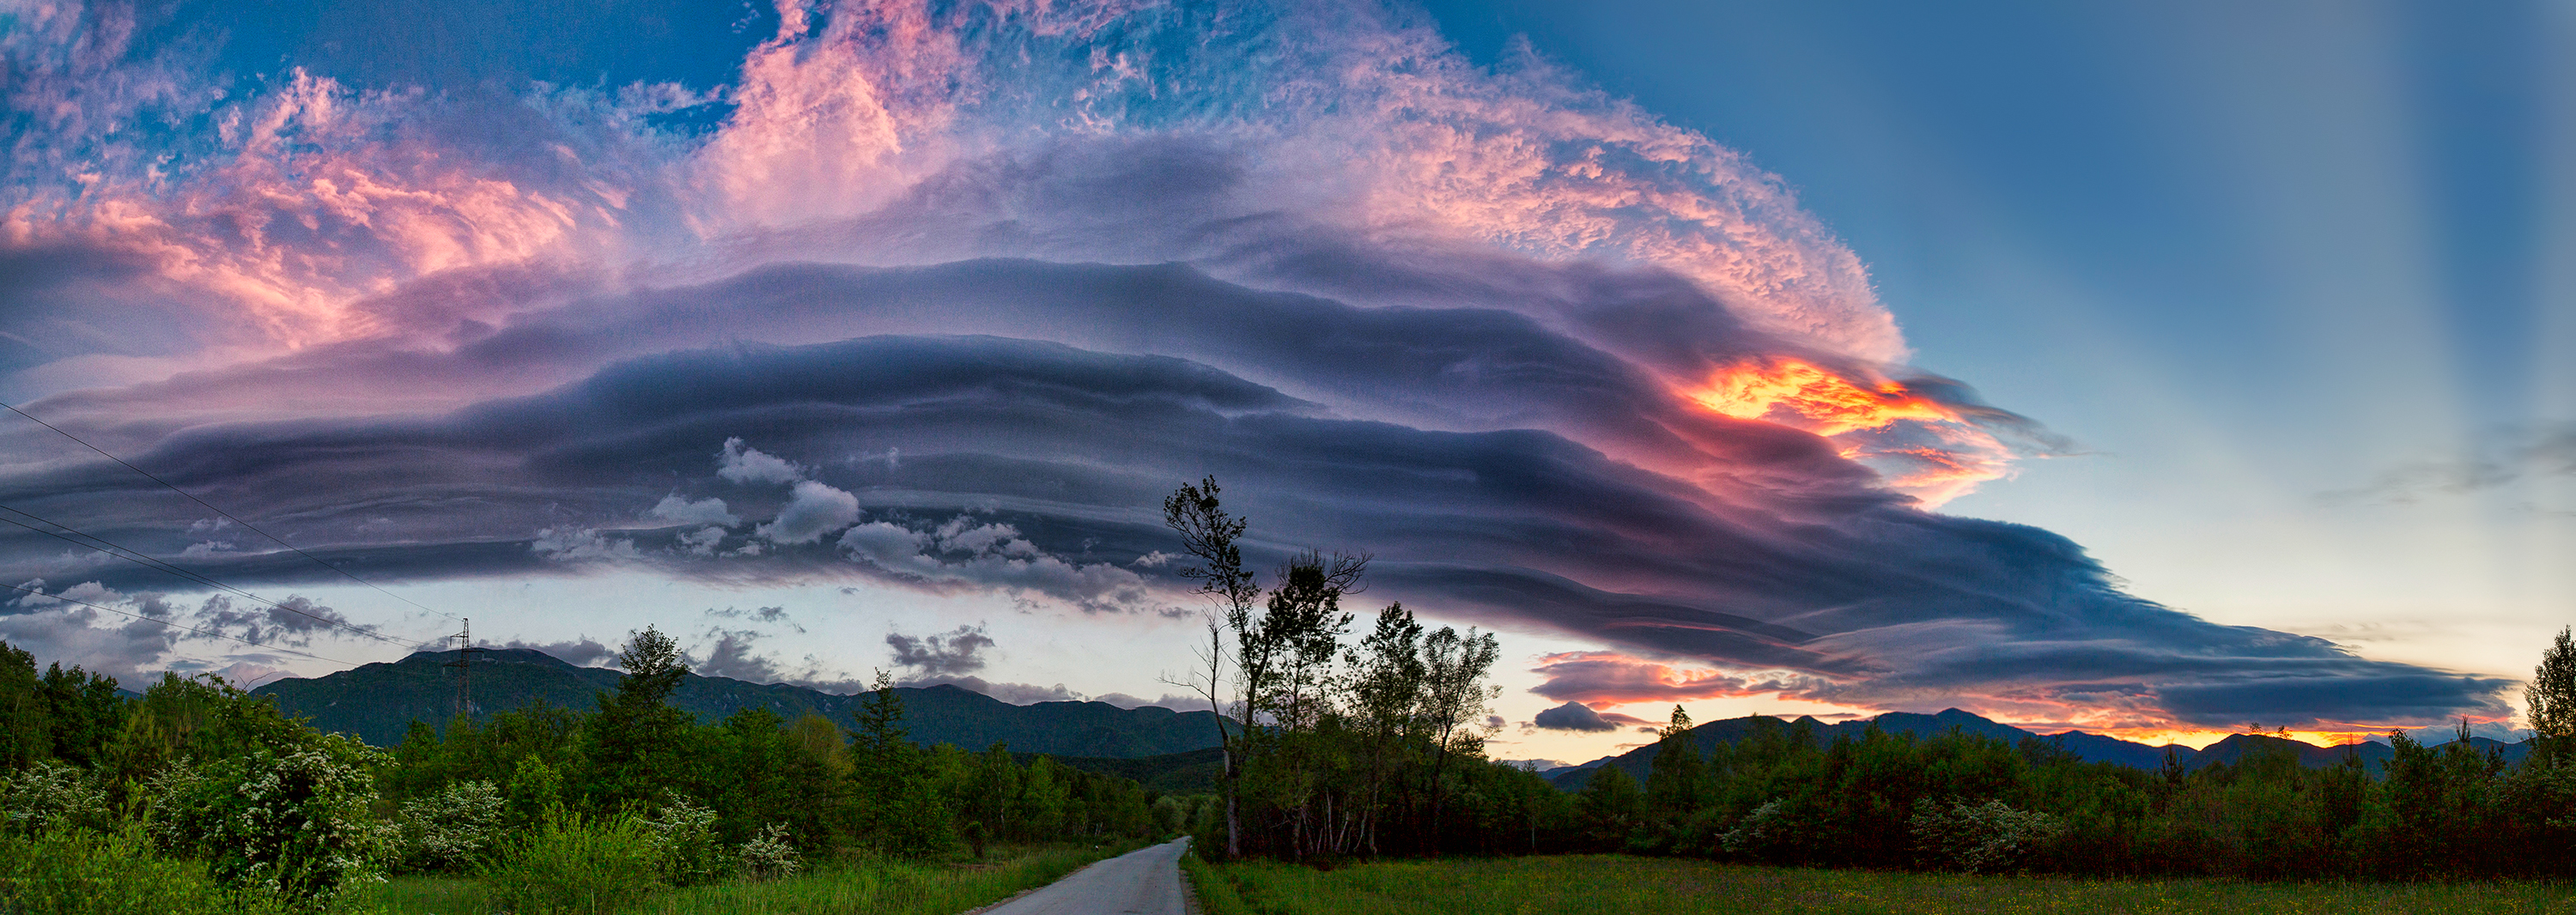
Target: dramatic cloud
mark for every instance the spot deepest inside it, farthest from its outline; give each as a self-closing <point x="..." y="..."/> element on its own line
<point x="941" y="653"/>
<point x="1575" y="716"/>
<point x="952" y="294"/>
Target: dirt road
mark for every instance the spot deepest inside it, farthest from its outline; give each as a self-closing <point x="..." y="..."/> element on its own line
<point x="1146" y="881"/>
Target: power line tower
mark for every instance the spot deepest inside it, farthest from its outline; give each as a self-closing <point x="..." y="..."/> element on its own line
<point x="464" y="665"/>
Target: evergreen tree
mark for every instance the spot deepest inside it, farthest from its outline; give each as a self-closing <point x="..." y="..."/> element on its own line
<point x="636" y="737"/>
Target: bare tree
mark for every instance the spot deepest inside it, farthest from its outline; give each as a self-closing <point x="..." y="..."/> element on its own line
<point x="1208" y="533"/>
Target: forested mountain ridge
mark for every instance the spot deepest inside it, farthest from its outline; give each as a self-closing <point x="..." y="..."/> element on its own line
<point x="2088" y="747"/>
<point x="377" y="703"/>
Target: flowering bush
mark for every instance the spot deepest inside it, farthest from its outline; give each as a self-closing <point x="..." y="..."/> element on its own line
<point x="1767" y="831"/>
<point x="687" y="835"/>
<point x="768" y="854"/>
<point x="453" y="829"/>
<point x="292" y="822"/>
<point x="52" y="794"/>
<point x="1980" y="838"/>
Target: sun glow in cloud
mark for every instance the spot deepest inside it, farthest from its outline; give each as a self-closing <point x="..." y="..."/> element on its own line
<point x="1929" y="449"/>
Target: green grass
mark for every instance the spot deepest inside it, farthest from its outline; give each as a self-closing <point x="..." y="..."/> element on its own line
<point x="838" y="888"/>
<point x="1592" y="884"/>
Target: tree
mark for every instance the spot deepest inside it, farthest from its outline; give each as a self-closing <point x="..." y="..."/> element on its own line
<point x="1673" y="782"/>
<point x="2550" y="699"/>
<point x="1454" y="696"/>
<point x="1208" y="533"/>
<point x="636" y="737"/>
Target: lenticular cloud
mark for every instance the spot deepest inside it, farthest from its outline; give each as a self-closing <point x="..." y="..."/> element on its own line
<point x="947" y="295"/>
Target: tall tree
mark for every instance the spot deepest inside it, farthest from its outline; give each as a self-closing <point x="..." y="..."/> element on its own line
<point x="1674" y="779"/>
<point x="2550" y="699"/>
<point x="1454" y="696"/>
<point x="636" y="737"/>
<point x="1208" y="533"/>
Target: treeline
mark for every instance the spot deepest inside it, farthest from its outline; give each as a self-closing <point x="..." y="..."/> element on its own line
<point x="197" y="796"/>
<point x="1967" y="802"/>
<point x="1342" y="748"/>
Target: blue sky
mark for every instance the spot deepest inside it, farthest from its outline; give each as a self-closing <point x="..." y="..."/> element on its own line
<point x="2247" y="256"/>
<point x="2145" y="368"/>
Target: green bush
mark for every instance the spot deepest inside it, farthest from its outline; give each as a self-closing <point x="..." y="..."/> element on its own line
<point x="768" y="855"/>
<point x="574" y="865"/>
<point x="51" y="794"/>
<point x="64" y="871"/>
<point x="453" y="829"/>
<point x="294" y="823"/>
<point x="1981" y="838"/>
<point x="691" y="854"/>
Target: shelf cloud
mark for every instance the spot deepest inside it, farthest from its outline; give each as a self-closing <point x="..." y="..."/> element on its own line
<point x="947" y="296"/>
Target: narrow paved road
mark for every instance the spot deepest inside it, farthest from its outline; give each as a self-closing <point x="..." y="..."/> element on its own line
<point x="1146" y="881"/>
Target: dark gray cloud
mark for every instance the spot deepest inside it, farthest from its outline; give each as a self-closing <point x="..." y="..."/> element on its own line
<point x="1034" y="467"/>
<point x="580" y="652"/>
<point x="1575" y="716"/>
<point x="941" y="653"/>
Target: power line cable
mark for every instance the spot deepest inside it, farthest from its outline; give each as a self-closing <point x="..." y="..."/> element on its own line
<point x="220" y="512"/>
<point x="215" y="635"/>
<point x="151" y="562"/>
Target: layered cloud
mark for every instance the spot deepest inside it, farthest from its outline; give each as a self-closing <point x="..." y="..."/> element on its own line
<point x="948" y="296"/>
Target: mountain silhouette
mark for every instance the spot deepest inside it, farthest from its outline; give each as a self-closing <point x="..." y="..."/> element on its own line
<point x="377" y="703"/>
<point x="2087" y="747"/>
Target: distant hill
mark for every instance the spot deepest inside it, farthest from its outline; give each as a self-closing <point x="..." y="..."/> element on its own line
<point x="1194" y="772"/>
<point x="377" y="703"/>
<point x="2088" y="747"/>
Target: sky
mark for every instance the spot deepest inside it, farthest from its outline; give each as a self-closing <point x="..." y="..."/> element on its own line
<point x="2151" y="369"/>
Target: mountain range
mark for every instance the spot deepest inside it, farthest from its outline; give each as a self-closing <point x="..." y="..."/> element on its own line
<point x="378" y="702"/>
<point x="2088" y="747"/>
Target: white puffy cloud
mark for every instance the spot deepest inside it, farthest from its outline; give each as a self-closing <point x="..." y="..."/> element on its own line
<point x="743" y="464"/>
<point x="581" y="545"/>
<point x="678" y="510"/>
<point x="813" y="510"/>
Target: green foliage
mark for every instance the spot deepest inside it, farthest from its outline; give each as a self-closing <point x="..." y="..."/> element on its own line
<point x="70" y="871"/>
<point x="293" y="821"/>
<point x="686" y="833"/>
<point x="1981" y="838"/>
<point x="453" y="830"/>
<point x="48" y="795"/>
<point x="769" y="855"/>
<point x="576" y="865"/>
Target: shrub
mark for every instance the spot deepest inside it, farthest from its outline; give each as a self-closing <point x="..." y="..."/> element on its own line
<point x="573" y="865"/>
<point x="768" y="854"/>
<point x="1980" y="838"/>
<point x="50" y="794"/>
<point x="1770" y="830"/>
<point x="293" y="823"/>
<point x="691" y="855"/>
<point x="453" y="829"/>
<point x="64" y="871"/>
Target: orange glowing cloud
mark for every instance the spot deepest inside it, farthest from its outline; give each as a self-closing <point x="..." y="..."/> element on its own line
<point x="1925" y="448"/>
<point x="1796" y="392"/>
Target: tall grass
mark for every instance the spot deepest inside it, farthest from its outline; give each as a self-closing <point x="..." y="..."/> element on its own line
<point x="847" y="887"/>
<point x="78" y="872"/>
<point x="576" y="865"/>
<point x="1591" y="884"/>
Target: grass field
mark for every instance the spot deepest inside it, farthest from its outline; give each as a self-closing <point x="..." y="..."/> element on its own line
<point x="1594" y="884"/>
<point x="848" y="888"/>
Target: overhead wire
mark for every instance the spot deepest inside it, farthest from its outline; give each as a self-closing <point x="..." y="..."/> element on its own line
<point x="223" y="514"/>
